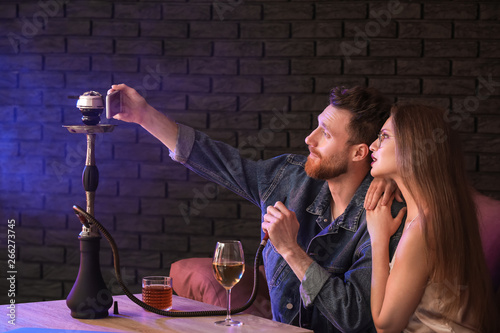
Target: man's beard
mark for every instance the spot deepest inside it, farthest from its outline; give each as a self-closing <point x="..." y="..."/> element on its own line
<point x="324" y="169"/>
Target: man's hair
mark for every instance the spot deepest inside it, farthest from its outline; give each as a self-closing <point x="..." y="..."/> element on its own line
<point x="369" y="109"/>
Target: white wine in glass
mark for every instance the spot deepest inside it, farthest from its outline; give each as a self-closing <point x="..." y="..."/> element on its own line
<point x="228" y="265"/>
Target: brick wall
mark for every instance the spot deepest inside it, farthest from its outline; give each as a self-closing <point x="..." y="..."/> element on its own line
<point x="238" y="70"/>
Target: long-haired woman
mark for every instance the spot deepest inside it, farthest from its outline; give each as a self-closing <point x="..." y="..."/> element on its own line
<point x="437" y="281"/>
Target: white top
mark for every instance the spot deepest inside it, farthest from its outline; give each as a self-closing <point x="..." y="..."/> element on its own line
<point x="428" y="316"/>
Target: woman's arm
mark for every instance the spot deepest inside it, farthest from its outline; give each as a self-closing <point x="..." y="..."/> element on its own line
<point x="396" y="294"/>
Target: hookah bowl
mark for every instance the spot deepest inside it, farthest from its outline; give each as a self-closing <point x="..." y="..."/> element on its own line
<point x="91" y="106"/>
<point x="90" y="298"/>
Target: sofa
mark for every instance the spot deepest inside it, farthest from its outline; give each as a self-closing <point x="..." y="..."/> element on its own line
<point x="193" y="278"/>
<point x="489" y="223"/>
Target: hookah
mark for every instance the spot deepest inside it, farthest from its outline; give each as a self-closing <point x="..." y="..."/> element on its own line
<point x="89" y="298"/>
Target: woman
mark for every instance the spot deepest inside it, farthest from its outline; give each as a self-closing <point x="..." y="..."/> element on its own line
<point x="437" y="280"/>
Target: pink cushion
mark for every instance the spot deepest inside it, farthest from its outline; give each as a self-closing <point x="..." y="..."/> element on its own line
<point x="193" y="278"/>
<point x="489" y="222"/>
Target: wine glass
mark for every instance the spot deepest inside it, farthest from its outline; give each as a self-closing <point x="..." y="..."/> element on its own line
<point x="228" y="265"/>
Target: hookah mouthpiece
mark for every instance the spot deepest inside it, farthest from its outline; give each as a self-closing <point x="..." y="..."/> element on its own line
<point x="266" y="234"/>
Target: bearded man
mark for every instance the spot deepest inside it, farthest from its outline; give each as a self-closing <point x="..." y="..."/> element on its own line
<point x="318" y="260"/>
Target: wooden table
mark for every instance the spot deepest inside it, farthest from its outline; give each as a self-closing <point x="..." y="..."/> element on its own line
<point x="132" y="318"/>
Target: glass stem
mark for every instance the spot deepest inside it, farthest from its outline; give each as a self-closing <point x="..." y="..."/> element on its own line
<point x="228" y="317"/>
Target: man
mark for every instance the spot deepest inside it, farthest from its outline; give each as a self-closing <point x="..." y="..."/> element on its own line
<point x="318" y="260"/>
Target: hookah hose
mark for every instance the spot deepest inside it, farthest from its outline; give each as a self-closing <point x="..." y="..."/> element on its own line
<point x="85" y="218"/>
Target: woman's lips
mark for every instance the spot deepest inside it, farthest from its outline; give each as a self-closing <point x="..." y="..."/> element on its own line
<point x="374" y="159"/>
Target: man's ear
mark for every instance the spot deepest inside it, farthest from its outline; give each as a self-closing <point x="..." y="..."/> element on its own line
<point x="360" y="152"/>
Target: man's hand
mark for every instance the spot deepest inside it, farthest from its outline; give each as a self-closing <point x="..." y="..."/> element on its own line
<point x="134" y="106"/>
<point x="384" y="189"/>
<point x="135" y="109"/>
<point x="282" y="226"/>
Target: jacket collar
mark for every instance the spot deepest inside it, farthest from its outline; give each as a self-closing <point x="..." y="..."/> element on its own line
<point x="349" y="219"/>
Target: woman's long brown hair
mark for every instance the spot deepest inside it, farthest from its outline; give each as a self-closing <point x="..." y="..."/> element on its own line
<point x="430" y="158"/>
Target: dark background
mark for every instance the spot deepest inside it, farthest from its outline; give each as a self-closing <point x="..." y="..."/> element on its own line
<point x="254" y="74"/>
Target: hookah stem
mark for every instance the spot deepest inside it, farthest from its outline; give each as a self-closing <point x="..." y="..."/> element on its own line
<point x="83" y="215"/>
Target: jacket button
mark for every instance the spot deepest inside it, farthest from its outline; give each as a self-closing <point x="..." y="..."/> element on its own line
<point x="289" y="306"/>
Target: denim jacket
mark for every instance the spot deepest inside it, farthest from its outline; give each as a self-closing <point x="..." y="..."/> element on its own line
<point x="334" y="295"/>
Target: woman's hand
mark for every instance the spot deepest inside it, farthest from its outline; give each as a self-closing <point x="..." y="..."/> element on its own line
<point x="381" y="188"/>
<point x="381" y="224"/>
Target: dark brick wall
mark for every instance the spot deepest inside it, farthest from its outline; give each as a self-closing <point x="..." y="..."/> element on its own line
<point x="254" y="74"/>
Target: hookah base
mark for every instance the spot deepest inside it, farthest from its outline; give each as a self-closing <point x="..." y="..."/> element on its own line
<point x="85" y="315"/>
